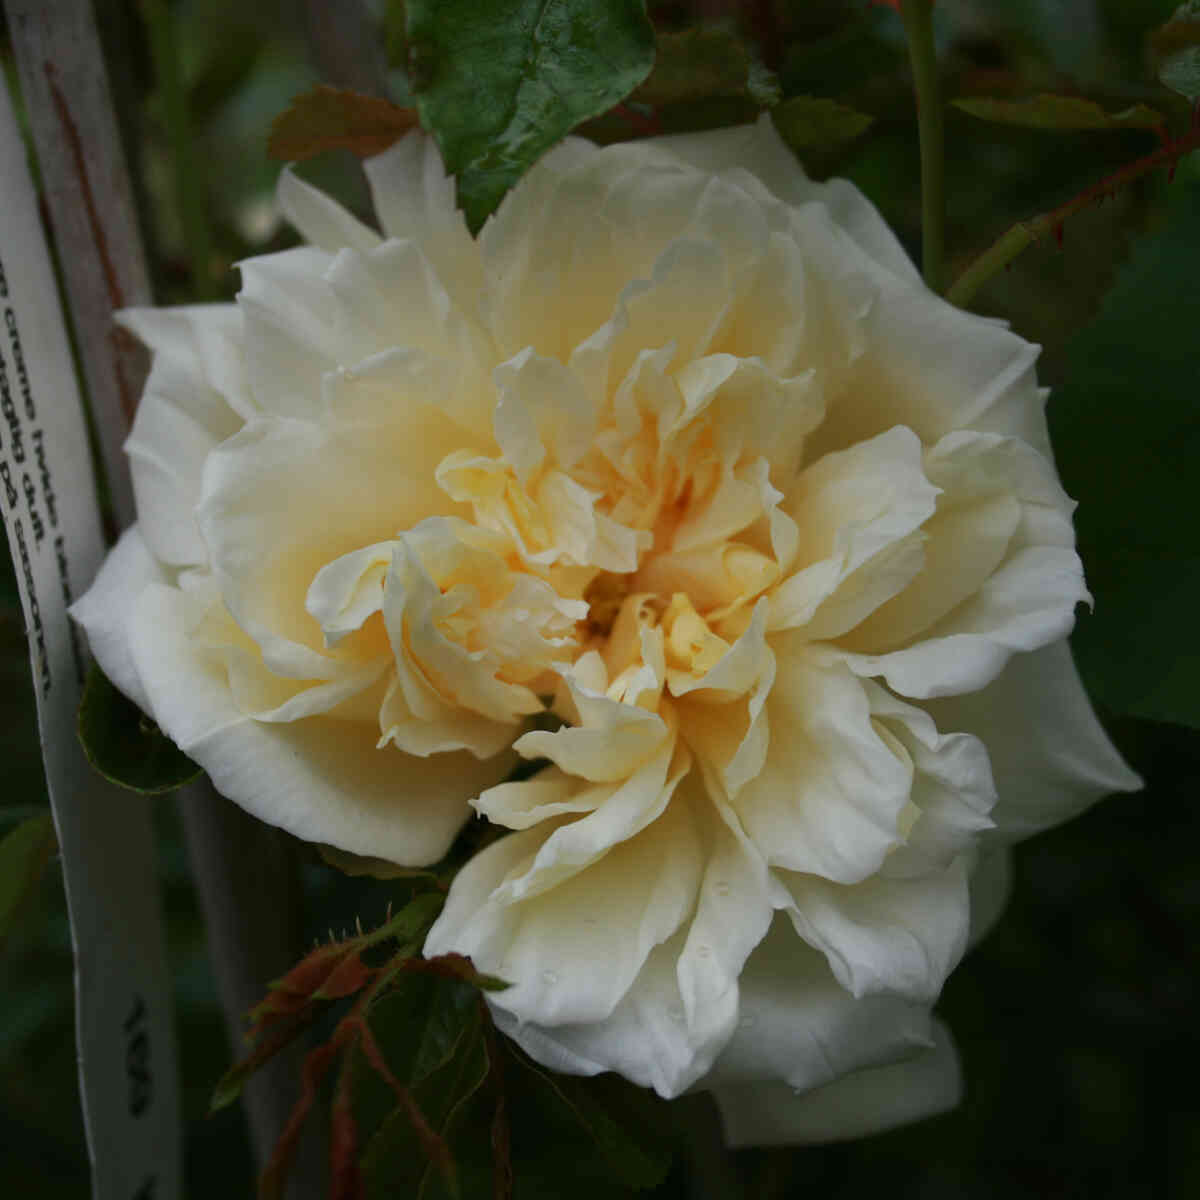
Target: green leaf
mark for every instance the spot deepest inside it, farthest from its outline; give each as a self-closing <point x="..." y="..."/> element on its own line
<point x="24" y="853"/>
<point x="1127" y="442"/>
<point x="813" y="122"/>
<point x="633" y="1149"/>
<point x="125" y="745"/>
<point x="329" y="118"/>
<point x="1046" y="111"/>
<point x="394" y="1163"/>
<point x="1175" y="51"/>
<point x="420" y="1023"/>
<point x="498" y="82"/>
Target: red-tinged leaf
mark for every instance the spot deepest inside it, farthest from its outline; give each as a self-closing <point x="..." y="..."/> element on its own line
<point x="329" y="118"/>
<point x="231" y="1083"/>
<point x="456" y="966"/>
<point x="345" y="979"/>
<point x="314" y="969"/>
<point x="274" y="1006"/>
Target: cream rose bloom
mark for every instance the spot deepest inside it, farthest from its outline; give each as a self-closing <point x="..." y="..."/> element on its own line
<point x="682" y="448"/>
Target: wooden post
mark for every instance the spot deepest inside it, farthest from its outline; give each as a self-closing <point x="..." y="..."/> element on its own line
<point x="241" y="868"/>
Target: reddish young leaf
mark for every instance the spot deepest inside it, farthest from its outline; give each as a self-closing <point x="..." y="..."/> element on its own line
<point x="456" y="966"/>
<point x="329" y="118"/>
<point x="313" y="969"/>
<point x="345" y="979"/>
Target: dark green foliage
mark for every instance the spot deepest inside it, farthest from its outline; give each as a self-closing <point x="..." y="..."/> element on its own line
<point x="1127" y="438"/>
<point x="498" y="82"/>
<point x="125" y="745"/>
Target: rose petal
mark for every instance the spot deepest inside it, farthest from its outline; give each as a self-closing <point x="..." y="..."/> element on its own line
<point x="799" y="1026"/>
<point x="1050" y="756"/>
<point x="105" y="610"/>
<point x="895" y="936"/>
<point x="829" y="797"/>
<point x="321" y="779"/>
<point x="320" y="219"/>
<point x="856" y="1105"/>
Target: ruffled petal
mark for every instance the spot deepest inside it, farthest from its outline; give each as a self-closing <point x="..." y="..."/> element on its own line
<point x="195" y="397"/>
<point x="320" y="219"/>
<point x="829" y="798"/>
<point x="856" y="1105"/>
<point x="884" y="935"/>
<point x="320" y="778"/>
<point x="414" y="198"/>
<point x="797" y="1025"/>
<point x="572" y="950"/>
<point x="857" y="513"/>
<point x="1050" y="756"/>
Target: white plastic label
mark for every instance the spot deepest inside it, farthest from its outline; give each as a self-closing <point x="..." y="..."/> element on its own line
<point x="124" y="1024"/>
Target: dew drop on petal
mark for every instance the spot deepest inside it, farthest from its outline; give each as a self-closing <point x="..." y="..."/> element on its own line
<point x="549" y="978"/>
<point x="721" y="888"/>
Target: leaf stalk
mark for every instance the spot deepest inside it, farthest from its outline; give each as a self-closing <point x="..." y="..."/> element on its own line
<point x="931" y="128"/>
<point x="1014" y="240"/>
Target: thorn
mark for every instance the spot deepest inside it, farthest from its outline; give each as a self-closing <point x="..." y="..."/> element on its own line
<point x="358" y="925"/>
<point x="1058" y="234"/>
<point x="1171" y="172"/>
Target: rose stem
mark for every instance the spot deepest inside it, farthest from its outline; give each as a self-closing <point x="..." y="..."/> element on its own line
<point x="1002" y="251"/>
<point x="918" y="24"/>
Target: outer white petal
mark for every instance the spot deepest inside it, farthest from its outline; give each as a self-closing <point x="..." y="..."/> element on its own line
<point x="645" y="1039"/>
<point x="572" y="951"/>
<point x="1028" y="603"/>
<point x="320" y="778"/>
<point x="320" y="219"/>
<point x="866" y="1102"/>
<point x="414" y="198"/>
<point x="106" y="609"/>
<point x="195" y="397"/>
<point x="896" y="936"/>
<point x="953" y="792"/>
<point x="673" y="1019"/>
<point x="797" y="1025"/>
<point x="924" y="364"/>
<point x="759" y="150"/>
<point x="1050" y="757"/>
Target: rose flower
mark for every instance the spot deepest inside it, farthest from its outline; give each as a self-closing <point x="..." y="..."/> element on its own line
<point x="681" y="449"/>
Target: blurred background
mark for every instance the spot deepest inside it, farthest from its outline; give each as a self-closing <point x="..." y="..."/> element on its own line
<point x="1076" y="1018"/>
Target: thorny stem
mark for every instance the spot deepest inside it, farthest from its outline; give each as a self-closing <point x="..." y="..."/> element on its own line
<point x="1013" y="241"/>
<point x="918" y="24"/>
